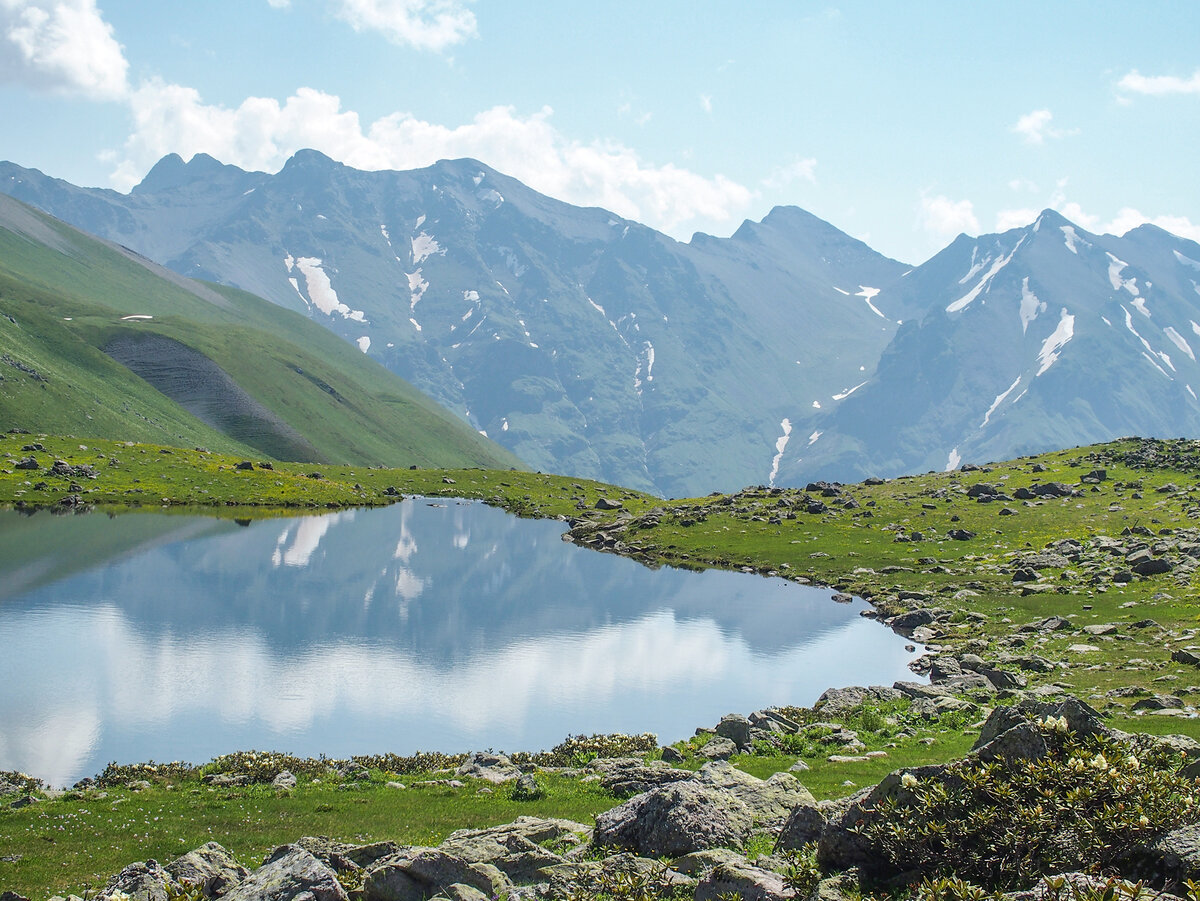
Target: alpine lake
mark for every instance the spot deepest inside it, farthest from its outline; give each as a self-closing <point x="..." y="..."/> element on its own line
<point x="427" y="625"/>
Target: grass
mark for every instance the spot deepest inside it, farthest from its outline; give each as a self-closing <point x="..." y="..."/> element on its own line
<point x="1149" y="494"/>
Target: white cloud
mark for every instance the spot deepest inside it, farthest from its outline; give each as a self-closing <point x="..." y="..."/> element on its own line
<point x="262" y="133"/>
<point x="279" y="4"/>
<point x="796" y="170"/>
<point x="1129" y="218"/>
<point x="1137" y="83"/>
<point x="943" y="217"/>
<point x="1006" y="219"/>
<point x="706" y="103"/>
<point x="426" y="24"/>
<point x="1035" y="127"/>
<point x="61" y="45"/>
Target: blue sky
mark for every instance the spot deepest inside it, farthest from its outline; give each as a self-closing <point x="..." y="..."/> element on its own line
<point x="901" y="123"/>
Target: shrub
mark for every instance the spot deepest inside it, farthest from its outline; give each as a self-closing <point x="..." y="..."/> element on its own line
<point x="1004" y="824"/>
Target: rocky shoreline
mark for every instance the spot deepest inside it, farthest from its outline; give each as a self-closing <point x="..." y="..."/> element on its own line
<point x="685" y="834"/>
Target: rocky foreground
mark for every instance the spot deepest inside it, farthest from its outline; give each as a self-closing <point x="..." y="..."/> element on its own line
<point x="1049" y="800"/>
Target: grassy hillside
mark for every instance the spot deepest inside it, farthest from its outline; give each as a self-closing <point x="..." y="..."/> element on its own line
<point x="250" y="377"/>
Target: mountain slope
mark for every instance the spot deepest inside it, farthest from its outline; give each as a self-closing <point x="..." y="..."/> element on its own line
<point x="1041" y="337"/>
<point x="101" y="343"/>
<point x="583" y="342"/>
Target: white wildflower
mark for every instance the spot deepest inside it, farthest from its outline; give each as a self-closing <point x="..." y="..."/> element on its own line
<point x="908" y="780"/>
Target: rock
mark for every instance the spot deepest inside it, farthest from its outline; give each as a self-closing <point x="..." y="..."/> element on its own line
<point x="670" y="755"/>
<point x="627" y="776"/>
<point x="527" y="788"/>
<point x="1159" y="702"/>
<point x="605" y="503"/>
<point x="460" y="892"/>
<point x="27" y="463"/>
<point x="836" y="701"/>
<point x="13" y="896"/>
<point x="770" y="800"/>
<point x="285" y="781"/>
<point x="905" y="623"/>
<point x="719" y="748"/>
<point x="289" y="872"/>
<point x="960" y="534"/>
<point x="806" y="823"/>
<point x="210" y="867"/>
<point x="1153" y="567"/>
<point x="1182" y="656"/>
<point x="418" y="873"/>
<point x="517" y="849"/>
<point x="143" y="881"/>
<point x="494" y="768"/>
<point x="1101" y="629"/>
<point x="1172" y="858"/>
<point x="736" y="728"/>
<point x="677" y="819"/>
<point x="244" y="465"/>
<point x="741" y="879"/>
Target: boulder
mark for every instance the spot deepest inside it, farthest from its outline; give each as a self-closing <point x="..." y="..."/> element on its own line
<point x="142" y="881"/>
<point x="527" y="788"/>
<point x="770" y="800"/>
<point x="419" y="873"/>
<point x="627" y="776"/>
<point x="517" y="849"/>
<point x="1170" y="859"/>
<point x="289" y="872"/>
<point x="677" y="819"/>
<point x="719" y="748"/>
<point x="494" y="768"/>
<point x="285" y="781"/>
<point x="739" y="878"/>
<point x="805" y="824"/>
<point x="210" y="867"/>
<point x="736" y="728"/>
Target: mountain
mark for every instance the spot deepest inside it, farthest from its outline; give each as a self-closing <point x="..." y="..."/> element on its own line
<point x="1038" y="338"/>
<point x="583" y="342"/>
<point x="98" y="342"/>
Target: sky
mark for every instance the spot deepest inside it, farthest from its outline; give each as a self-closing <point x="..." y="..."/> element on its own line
<point x="903" y="124"/>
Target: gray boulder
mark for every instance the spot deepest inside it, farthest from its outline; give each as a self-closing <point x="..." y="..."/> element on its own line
<point x="517" y="849"/>
<point x="210" y="867"/>
<point x="289" y="872"/>
<point x="674" y="820"/>
<point x="419" y="873"/>
<point x="743" y="880"/>
<point x="736" y="728"/>
<point x="285" y="781"/>
<point x="626" y="776"/>
<point x="494" y="768"/>
<point x="770" y="801"/>
<point x="806" y="823"/>
<point x="719" y="748"/>
<point x="1170" y="859"/>
<point x="142" y="881"/>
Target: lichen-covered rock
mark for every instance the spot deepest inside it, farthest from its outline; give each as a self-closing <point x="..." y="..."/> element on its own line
<point x="142" y="881"/>
<point x="517" y="849"/>
<point x="674" y="820"/>
<point x="494" y="768"/>
<point x="288" y="873"/>
<point x="627" y="776"/>
<point x="736" y="728"/>
<point x="210" y="867"/>
<point x="805" y="824"/>
<point x="418" y="873"/>
<point x="1170" y="859"/>
<point x="743" y="880"/>
<point x="770" y="800"/>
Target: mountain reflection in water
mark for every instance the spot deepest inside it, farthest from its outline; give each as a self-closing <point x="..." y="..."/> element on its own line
<point x="426" y="625"/>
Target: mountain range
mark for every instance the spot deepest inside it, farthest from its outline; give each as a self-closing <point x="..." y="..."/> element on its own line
<point x="592" y="345"/>
<point x="98" y="342"/>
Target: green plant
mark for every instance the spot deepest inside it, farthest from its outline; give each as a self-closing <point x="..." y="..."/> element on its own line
<point x="1005" y="823"/>
<point x="802" y="873"/>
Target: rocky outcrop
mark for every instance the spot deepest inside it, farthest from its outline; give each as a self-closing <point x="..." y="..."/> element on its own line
<point x="674" y="820"/>
<point x="210" y="867"/>
<point x="288" y="873"/>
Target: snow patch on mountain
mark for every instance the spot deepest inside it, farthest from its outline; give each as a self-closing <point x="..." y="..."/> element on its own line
<point x="1000" y="398"/>
<point x="848" y="391"/>
<point x="417" y="286"/>
<point x="1115" y="267"/>
<point x="1195" y="327"/>
<point x="1139" y="304"/>
<point x="1052" y="346"/>
<point x="423" y="247"/>
<point x="1072" y="240"/>
<point x="840" y="291"/>
<point x="417" y="325"/>
<point x="645" y="361"/>
<point x="471" y="296"/>
<point x="781" y="444"/>
<point x="1191" y="392"/>
<point x="1179" y="341"/>
<point x="364" y="343"/>
<point x="866" y="294"/>
<point x="984" y="282"/>
<point x="812" y="439"/>
<point x="953" y="460"/>
<point x="976" y="265"/>
<point x="1154" y="363"/>
<point x="320" y="289"/>
<point x="511" y="262"/>
<point x="1030" y="305"/>
<point x="1187" y="261"/>
<point x="491" y="195"/>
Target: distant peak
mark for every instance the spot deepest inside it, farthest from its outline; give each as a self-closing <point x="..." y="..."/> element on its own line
<point x="166" y="173"/>
<point x="309" y="159"/>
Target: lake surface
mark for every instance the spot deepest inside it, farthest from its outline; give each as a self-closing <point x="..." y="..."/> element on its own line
<point x="428" y="625"/>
